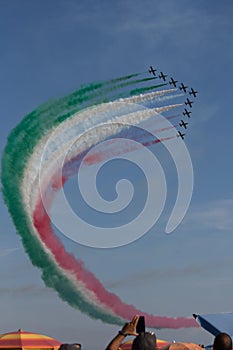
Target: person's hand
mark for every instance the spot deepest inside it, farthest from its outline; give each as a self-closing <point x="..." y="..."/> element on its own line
<point x="130" y="328"/>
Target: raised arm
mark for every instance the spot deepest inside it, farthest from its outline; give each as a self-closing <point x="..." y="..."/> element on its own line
<point x="127" y="329"/>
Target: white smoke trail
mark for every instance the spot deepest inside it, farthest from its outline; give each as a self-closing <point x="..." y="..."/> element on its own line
<point x="62" y="137"/>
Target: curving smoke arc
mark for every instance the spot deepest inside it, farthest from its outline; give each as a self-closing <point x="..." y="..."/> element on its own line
<point x="49" y="145"/>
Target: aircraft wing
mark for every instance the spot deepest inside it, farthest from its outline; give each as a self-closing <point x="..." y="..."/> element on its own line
<point x="216" y="323"/>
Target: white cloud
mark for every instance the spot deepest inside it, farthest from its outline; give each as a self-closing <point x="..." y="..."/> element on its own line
<point x="214" y="215"/>
<point x="7" y="251"/>
<point x="25" y="290"/>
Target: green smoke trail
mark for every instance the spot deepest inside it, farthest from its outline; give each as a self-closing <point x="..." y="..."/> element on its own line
<point x="145" y="89"/>
<point x="20" y="145"/>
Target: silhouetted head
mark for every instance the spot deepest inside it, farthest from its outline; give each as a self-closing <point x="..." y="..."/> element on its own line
<point x="222" y="342"/>
<point x="144" y="341"/>
<point x="75" y="346"/>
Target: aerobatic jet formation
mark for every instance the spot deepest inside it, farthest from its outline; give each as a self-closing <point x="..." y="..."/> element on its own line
<point x="188" y="91"/>
<point x="183" y="124"/>
<point x="180" y="135"/>
<point x="152" y="70"/>
<point x="183" y="87"/>
<point x="187" y="113"/>
<point x="162" y="76"/>
<point x="173" y="82"/>
<point x="188" y="102"/>
<point x="193" y="92"/>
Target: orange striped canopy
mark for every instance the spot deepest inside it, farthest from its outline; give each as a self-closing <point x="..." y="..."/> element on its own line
<point x="27" y="340"/>
<point x="128" y="345"/>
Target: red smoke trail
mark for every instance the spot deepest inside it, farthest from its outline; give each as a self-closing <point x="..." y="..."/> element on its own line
<point x="70" y="264"/>
<point x="108" y="153"/>
<point x="109" y="150"/>
<point x="150" y="143"/>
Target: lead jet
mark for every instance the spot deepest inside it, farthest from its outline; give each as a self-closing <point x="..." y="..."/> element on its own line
<point x="186" y="112"/>
<point x="152" y="70"/>
<point x="193" y="92"/>
<point x="183" y="87"/>
<point x="162" y="76"/>
<point x="188" y="102"/>
<point x="183" y="124"/>
<point x="180" y="135"/>
<point x="173" y="82"/>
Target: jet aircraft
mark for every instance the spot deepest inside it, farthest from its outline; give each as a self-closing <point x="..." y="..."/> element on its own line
<point x="162" y="76"/>
<point x="173" y="82"/>
<point x="183" y="87"/>
<point x="152" y="70"/>
<point x="193" y="92"/>
<point x="183" y="124"/>
<point x="180" y="135"/>
<point x="186" y="112"/>
<point x="188" y="102"/>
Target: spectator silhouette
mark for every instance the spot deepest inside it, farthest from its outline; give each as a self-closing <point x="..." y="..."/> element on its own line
<point x="142" y="341"/>
<point x="222" y="341"/>
<point x="75" y="346"/>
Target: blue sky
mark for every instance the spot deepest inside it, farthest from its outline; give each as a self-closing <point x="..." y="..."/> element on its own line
<point x="50" y="48"/>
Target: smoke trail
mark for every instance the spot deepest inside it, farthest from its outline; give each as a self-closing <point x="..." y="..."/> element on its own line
<point x="27" y="164"/>
<point x="145" y="89"/>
